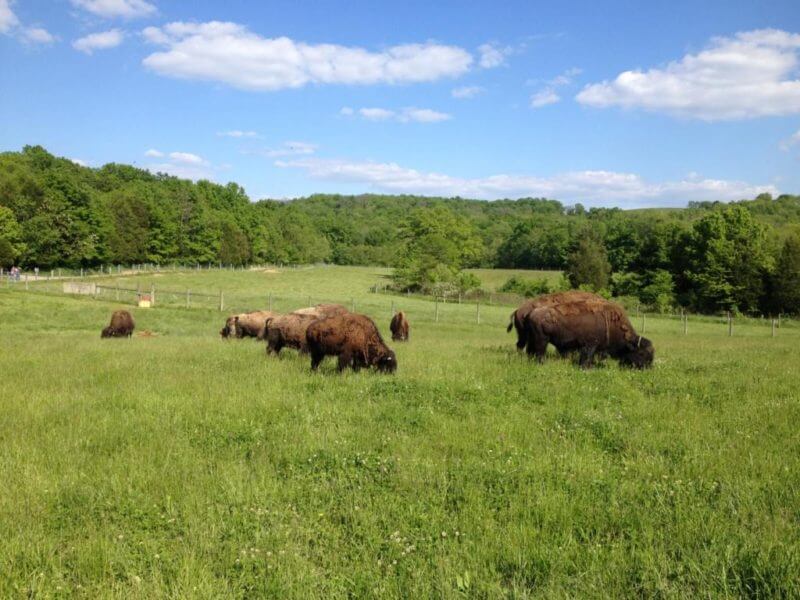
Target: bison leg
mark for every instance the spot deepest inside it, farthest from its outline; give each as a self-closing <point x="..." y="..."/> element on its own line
<point x="587" y="356"/>
<point x="345" y="360"/>
<point x="316" y="358"/>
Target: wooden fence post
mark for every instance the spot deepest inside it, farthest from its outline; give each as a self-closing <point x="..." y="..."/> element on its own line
<point x="644" y="323"/>
<point x="730" y="324"/>
<point x="118" y="291"/>
<point x="221" y="302"/>
<point x="138" y="292"/>
<point x="773" y="327"/>
<point x="152" y="294"/>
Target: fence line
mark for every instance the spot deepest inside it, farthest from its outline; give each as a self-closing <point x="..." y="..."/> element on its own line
<point x="419" y="308"/>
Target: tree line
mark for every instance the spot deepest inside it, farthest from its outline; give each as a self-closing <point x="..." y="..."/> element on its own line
<point x="710" y="256"/>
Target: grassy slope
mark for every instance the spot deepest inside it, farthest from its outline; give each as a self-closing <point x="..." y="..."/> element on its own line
<point x="181" y="465"/>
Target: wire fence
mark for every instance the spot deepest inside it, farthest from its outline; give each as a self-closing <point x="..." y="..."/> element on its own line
<point x="478" y="308"/>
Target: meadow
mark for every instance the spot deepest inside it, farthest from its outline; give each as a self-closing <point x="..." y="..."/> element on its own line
<point x="179" y="465"/>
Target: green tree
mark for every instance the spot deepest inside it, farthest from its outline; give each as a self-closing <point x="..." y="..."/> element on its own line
<point x="728" y="261"/>
<point x="234" y="247"/>
<point x="786" y="279"/>
<point x="587" y="264"/>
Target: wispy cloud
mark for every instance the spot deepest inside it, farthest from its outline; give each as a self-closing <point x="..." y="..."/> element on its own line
<point x="101" y="40"/>
<point x="492" y="55"/>
<point x="292" y="149"/>
<point x="548" y="94"/>
<point x="238" y="133"/>
<point x="109" y="9"/>
<point x="592" y="187"/>
<point x="793" y="140"/>
<point x="231" y="54"/>
<point x="751" y="74"/>
<point x="11" y="25"/>
<point x="405" y="115"/>
<point x="467" y="91"/>
<point x="186" y="165"/>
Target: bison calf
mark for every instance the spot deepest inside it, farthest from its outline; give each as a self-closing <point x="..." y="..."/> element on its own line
<point x="399" y="327"/>
<point x="121" y="325"/>
<point x="591" y="327"/>
<point x="354" y="339"/>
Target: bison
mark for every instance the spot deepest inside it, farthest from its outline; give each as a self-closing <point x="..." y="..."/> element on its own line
<point x="290" y="330"/>
<point x="399" y="327"/>
<point x="246" y="324"/>
<point x="517" y="319"/>
<point x="121" y="325"/>
<point x="355" y="339"/>
<point x="594" y="326"/>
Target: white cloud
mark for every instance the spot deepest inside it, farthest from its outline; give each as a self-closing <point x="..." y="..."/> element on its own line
<point x="126" y="9"/>
<point x="793" y="140"/>
<point x="292" y="149"/>
<point x="544" y="97"/>
<point x="187" y="158"/>
<point x="99" y="41"/>
<point x="237" y="133"/>
<point x="492" y="55"/>
<point x="8" y="20"/>
<point x="548" y="94"/>
<point x="79" y="162"/>
<point x="406" y="115"/>
<point x="590" y="187"/>
<point x="467" y="91"/>
<point x="10" y="24"/>
<point x="231" y="54"/>
<point x="37" y="35"/>
<point x="182" y="164"/>
<point x="752" y="74"/>
<point x="376" y="114"/>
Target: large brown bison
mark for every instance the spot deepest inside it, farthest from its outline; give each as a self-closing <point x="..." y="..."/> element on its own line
<point x="517" y="320"/>
<point x="399" y="327"/>
<point x="121" y="325"/>
<point x="290" y="330"/>
<point x="592" y="327"/>
<point x="355" y="339"/>
<point x="246" y="324"/>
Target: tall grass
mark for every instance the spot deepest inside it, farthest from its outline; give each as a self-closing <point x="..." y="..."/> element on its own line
<point x="179" y="465"/>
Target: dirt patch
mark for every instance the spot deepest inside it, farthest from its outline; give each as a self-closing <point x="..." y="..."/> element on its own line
<point x="270" y="271"/>
<point x="146" y="334"/>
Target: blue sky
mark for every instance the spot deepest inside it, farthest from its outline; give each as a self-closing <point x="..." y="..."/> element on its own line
<point x="617" y="103"/>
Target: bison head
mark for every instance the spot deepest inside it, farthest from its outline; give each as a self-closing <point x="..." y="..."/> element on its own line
<point x="387" y="363"/>
<point x="640" y="354"/>
<point x="107" y="332"/>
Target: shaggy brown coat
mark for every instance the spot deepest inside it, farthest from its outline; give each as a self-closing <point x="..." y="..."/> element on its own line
<point x="399" y="327"/>
<point x="290" y="330"/>
<point x="121" y="325"/>
<point x="246" y="324"/>
<point x="517" y="320"/>
<point x="594" y="326"/>
<point x="355" y="339"/>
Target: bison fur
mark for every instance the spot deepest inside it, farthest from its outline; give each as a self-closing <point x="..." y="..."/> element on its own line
<point x="354" y="339"/>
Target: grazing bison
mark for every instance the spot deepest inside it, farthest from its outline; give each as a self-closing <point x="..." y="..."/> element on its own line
<point x="246" y="324"/>
<point x="517" y="319"/>
<point x="399" y="327"/>
<point x="594" y="326"/>
<point x="290" y="330"/>
<point x="121" y="325"/>
<point x="354" y="339"/>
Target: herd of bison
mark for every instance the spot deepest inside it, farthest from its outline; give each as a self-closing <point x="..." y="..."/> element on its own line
<point x="571" y="321"/>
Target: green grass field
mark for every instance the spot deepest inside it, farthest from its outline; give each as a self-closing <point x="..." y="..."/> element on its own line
<point x="182" y="466"/>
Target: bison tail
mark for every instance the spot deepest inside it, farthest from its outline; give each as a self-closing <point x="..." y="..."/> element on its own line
<point x="511" y="322"/>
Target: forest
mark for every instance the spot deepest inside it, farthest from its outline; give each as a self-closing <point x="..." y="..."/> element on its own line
<point x="708" y="257"/>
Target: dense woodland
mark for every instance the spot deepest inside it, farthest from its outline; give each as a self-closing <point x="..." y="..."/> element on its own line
<point x="742" y="256"/>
